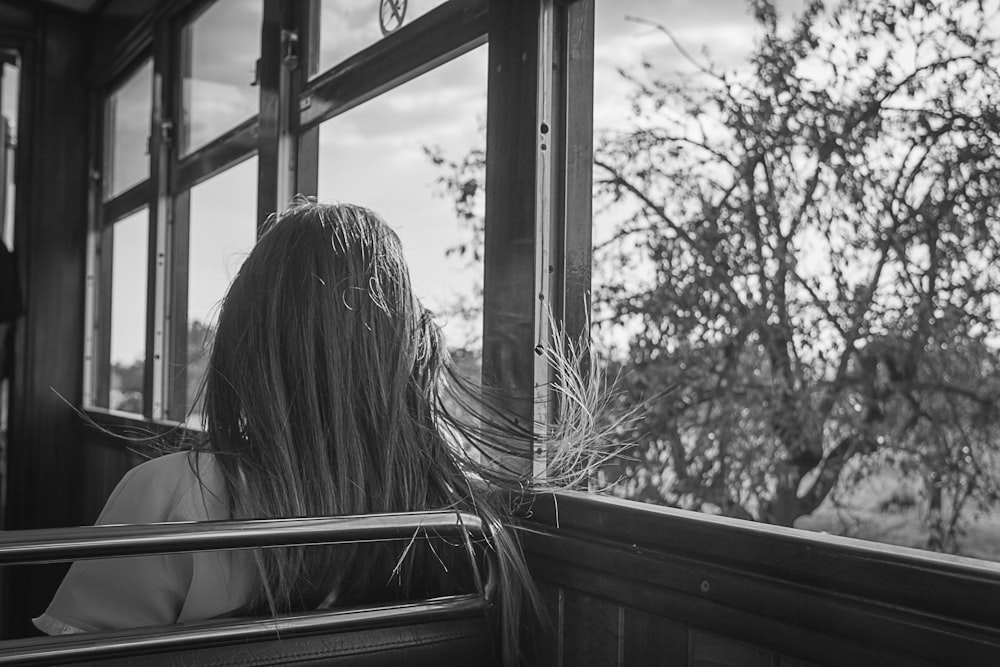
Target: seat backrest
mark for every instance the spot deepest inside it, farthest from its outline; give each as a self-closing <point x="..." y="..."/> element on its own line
<point x="434" y="644"/>
<point x="439" y="631"/>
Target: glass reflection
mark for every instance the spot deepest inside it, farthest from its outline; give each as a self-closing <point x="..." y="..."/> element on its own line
<point x="376" y="155"/>
<point x="127" y="115"/>
<point x="130" y="248"/>
<point x="346" y="27"/>
<point x="220" y="48"/>
<point x="222" y="232"/>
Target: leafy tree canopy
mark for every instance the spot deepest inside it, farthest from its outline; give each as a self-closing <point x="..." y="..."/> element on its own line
<point x="806" y="247"/>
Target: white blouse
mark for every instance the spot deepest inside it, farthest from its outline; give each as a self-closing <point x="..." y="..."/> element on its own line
<point x="139" y="591"/>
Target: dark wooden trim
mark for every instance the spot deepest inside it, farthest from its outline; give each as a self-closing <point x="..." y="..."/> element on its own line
<point x="824" y="561"/>
<point x="102" y="316"/>
<point x="92" y="303"/>
<point x="51" y="232"/>
<point x="227" y="150"/>
<point x="509" y="246"/>
<point x="307" y="151"/>
<point x="110" y="64"/>
<point x="280" y="82"/>
<point x="800" y="593"/>
<point x="125" y="57"/>
<point x="129" y="58"/>
<point x="135" y="198"/>
<point x="576" y="158"/>
<point x="309" y="38"/>
<point x="175" y="366"/>
<point x="123" y="61"/>
<point x="180" y="69"/>
<point x="443" y="33"/>
<point x="161" y="156"/>
<point x="20" y="18"/>
<point x="598" y="572"/>
<point x="19" y="402"/>
<point x="307" y="172"/>
<point x="269" y="108"/>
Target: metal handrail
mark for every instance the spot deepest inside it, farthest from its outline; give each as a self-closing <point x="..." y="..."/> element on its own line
<point x="62" y="544"/>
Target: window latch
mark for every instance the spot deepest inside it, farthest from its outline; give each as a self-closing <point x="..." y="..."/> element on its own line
<point x="167" y="132"/>
<point x="290" y="49"/>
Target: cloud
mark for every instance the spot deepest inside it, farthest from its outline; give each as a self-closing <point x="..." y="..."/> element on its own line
<point x="448" y="104"/>
<point x="225" y="42"/>
<point x="348" y="26"/>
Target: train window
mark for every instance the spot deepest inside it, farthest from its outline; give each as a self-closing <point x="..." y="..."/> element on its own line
<point x="9" y="79"/>
<point x="384" y="153"/>
<point x="222" y="231"/>
<point x="220" y="50"/>
<point x="347" y="27"/>
<point x="808" y="320"/>
<point x="130" y="243"/>
<point x="127" y="114"/>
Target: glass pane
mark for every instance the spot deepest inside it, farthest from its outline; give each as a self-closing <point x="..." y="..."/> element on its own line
<point x="9" y="85"/>
<point x="796" y="263"/>
<point x="380" y="155"/>
<point x="127" y="115"/>
<point x="220" y="49"/>
<point x="223" y="230"/>
<point x="9" y="307"/>
<point x="130" y="250"/>
<point x="348" y="27"/>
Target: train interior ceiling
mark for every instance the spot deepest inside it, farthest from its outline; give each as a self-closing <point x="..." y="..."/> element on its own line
<point x="132" y="135"/>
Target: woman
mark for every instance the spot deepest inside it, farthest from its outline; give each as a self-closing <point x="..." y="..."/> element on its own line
<point x="323" y="397"/>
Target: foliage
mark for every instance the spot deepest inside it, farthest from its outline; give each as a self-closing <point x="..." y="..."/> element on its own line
<point x="127" y="379"/>
<point x="807" y="248"/>
<point x="823" y="232"/>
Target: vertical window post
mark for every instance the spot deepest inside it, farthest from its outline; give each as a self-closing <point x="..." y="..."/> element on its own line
<point x="161" y="143"/>
<point x="281" y="70"/>
<point x="574" y="138"/>
<point x="512" y="164"/>
<point x="538" y="192"/>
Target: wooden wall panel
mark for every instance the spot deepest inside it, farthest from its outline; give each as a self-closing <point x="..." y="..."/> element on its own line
<point x="654" y="640"/>
<point x="50" y="238"/>
<point x="544" y="650"/>
<point x="103" y="465"/>
<point x="593" y="637"/>
<point x="720" y="600"/>
<point x="710" y="650"/>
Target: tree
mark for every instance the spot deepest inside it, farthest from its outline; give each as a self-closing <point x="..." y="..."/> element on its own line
<point x="127" y="379"/>
<point x="807" y="248"/>
<point x="126" y="386"/>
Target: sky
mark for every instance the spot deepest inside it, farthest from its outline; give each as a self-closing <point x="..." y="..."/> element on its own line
<point x="373" y="154"/>
<point x="347" y="26"/>
<point x="127" y="118"/>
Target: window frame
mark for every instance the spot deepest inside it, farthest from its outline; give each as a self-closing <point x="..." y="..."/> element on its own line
<point x="542" y="58"/>
<point x="104" y="215"/>
<point x="185" y="172"/>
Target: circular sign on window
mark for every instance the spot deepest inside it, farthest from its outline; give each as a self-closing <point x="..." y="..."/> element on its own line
<point x="390" y="15"/>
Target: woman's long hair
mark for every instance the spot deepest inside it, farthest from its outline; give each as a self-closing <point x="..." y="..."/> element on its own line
<point x="324" y="397"/>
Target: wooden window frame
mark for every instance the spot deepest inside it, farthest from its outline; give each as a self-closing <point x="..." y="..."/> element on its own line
<point x="537" y="240"/>
<point x="105" y="214"/>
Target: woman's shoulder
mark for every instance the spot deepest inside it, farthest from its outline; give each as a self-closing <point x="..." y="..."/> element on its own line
<point x="182" y="486"/>
<point x="174" y="472"/>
